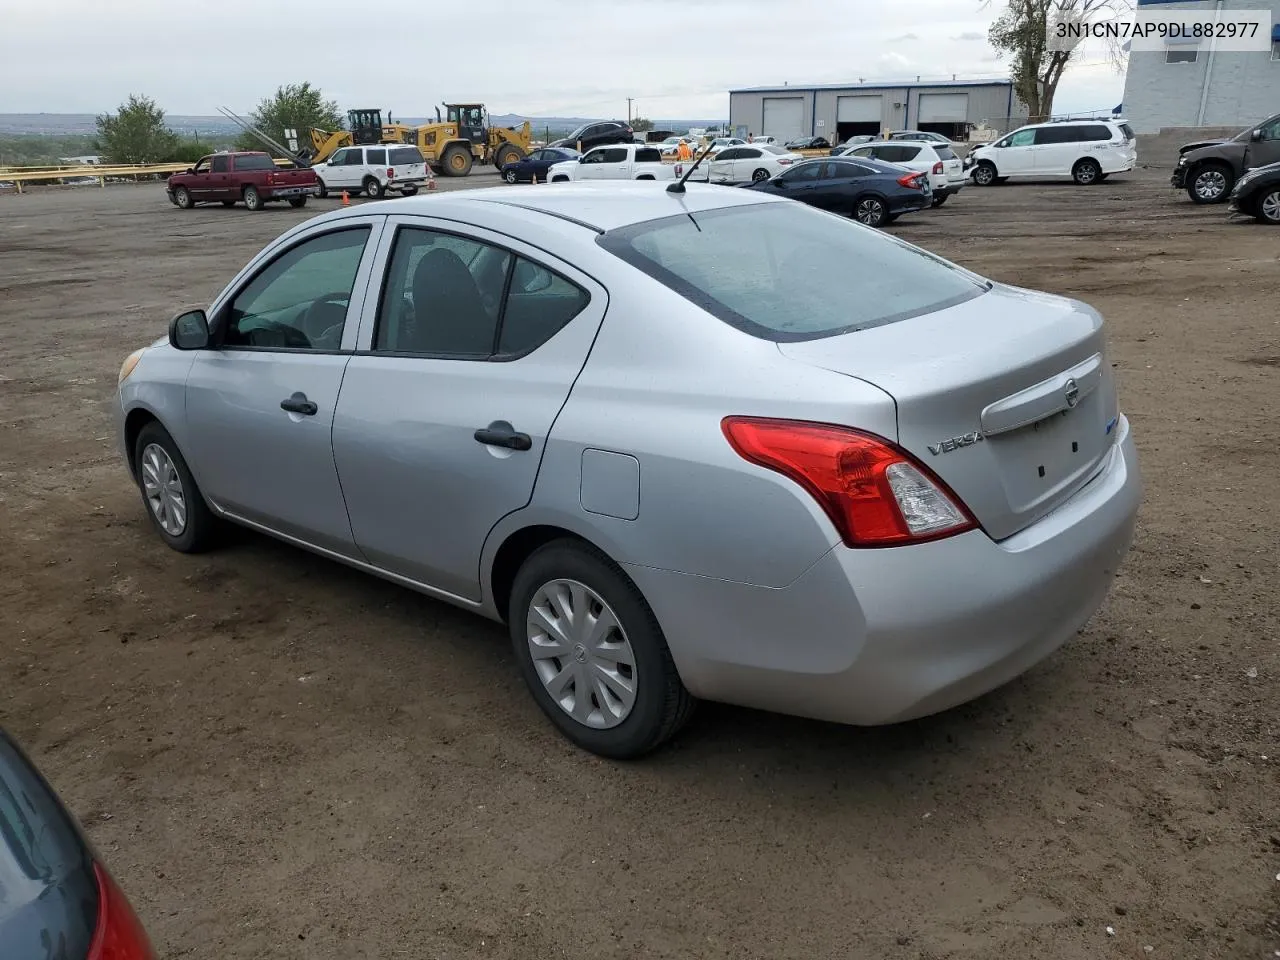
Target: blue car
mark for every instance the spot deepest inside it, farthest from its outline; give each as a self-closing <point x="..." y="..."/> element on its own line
<point x="536" y="164"/>
<point x="871" y="191"/>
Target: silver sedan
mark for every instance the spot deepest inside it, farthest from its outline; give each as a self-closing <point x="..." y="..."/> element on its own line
<point x="706" y="445"/>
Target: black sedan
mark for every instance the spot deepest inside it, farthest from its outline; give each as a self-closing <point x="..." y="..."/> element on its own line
<point x="873" y="192"/>
<point x="537" y="164"/>
<point x="808" y="143"/>
<point x="1257" y="194"/>
<point x="56" y="898"/>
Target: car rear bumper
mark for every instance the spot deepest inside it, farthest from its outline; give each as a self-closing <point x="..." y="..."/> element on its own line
<point x="288" y="192"/>
<point x="871" y="637"/>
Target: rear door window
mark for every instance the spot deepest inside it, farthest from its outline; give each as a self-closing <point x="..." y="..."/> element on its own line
<point x="1094" y="132"/>
<point x="376" y="157"/>
<point x="220" y="165"/>
<point x="1048" y="135"/>
<point x="615" y="155"/>
<point x="254" y="161"/>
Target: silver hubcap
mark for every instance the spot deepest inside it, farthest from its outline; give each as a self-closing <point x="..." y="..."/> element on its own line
<point x="511" y="176"/>
<point x="1087" y="173"/>
<point x="1210" y="184"/>
<point x="983" y="175"/>
<point x="868" y="211"/>
<point x="1271" y="207"/>
<point x="581" y="653"/>
<point x="162" y="487"/>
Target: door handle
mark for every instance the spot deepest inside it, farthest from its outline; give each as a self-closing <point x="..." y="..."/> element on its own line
<point x="502" y="434"/>
<point x="298" y="403"/>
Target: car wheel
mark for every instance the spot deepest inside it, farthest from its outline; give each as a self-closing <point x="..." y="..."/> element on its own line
<point x="1210" y="184"/>
<point x="984" y="174"/>
<point x="372" y="188"/>
<point x="560" y="179"/>
<point x="182" y="197"/>
<point x="940" y="200"/>
<point x="409" y="191"/>
<point x="321" y="190"/>
<point x="1269" y="208"/>
<point x="1086" y="172"/>
<point x="760" y="176"/>
<point x="592" y="652"/>
<point x="252" y="198"/>
<point x="173" y="501"/>
<point x="871" y="211"/>
<point x="509" y="176"/>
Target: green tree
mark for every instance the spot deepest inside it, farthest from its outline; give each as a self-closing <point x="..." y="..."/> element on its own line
<point x="136" y="133"/>
<point x="641" y="124"/>
<point x="1022" y="33"/>
<point x="190" y="149"/>
<point x="295" y="106"/>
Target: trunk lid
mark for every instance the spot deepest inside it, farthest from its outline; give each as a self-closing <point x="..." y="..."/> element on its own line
<point x="1007" y="397"/>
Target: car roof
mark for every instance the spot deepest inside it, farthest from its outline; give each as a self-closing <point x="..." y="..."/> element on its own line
<point x="901" y="142"/>
<point x="601" y="206"/>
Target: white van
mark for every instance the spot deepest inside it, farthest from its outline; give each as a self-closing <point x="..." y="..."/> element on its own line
<point x="1088" y="151"/>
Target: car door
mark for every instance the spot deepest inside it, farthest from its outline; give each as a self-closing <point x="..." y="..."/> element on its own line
<point x="1057" y="147"/>
<point x="720" y="166"/>
<point x="747" y="160"/>
<point x="335" y="170"/>
<point x="1015" y="154"/>
<point x="200" y="182"/>
<point x="260" y="403"/>
<point x="1266" y="149"/>
<point x="448" y="402"/>
<point x="219" y="179"/>
<point x="801" y="182"/>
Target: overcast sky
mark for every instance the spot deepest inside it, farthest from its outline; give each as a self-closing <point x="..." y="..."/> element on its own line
<point x="677" y="58"/>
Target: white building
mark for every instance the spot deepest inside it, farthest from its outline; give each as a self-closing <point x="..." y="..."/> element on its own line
<point x="1182" y="86"/>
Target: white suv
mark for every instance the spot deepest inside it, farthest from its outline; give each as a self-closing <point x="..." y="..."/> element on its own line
<point x="939" y="161"/>
<point x="375" y="170"/>
<point x="1088" y="151"/>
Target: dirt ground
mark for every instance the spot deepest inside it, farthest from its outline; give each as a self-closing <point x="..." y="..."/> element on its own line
<point x="280" y="757"/>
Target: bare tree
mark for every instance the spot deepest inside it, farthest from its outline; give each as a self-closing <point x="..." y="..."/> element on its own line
<point x="1023" y="33"/>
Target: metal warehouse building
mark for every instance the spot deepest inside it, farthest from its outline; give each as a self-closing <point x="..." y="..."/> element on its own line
<point x="1191" y="85"/>
<point x="840" y="111"/>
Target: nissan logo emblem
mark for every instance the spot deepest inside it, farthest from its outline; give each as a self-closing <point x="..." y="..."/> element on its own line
<point x="1072" y="393"/>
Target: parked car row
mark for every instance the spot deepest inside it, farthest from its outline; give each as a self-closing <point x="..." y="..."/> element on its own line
<point x="1088" y="151"/>
<point x="1237" y="170"/>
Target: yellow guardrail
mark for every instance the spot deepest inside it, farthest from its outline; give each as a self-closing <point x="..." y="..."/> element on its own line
<point x="102" y="172"/>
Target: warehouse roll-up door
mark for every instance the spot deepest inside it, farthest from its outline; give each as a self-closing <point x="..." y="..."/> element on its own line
<point x="944" y="107"/>
<point x="784" y="118"/>
<point x="858" y="116"/>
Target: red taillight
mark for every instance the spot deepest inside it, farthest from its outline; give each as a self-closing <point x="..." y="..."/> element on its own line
<point x="910" y="180"/>
<point x="937" y="167"/>
<point x="785" y="161"/>
<point x="391" y="174"/>
<point x="119" y="934"/>
<point x="876" y="494"/>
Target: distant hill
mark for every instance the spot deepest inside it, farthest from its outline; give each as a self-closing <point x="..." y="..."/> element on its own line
<point x="65" y="124"/>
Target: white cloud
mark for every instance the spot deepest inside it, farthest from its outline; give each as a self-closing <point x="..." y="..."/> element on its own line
<point x="677" y="58"/>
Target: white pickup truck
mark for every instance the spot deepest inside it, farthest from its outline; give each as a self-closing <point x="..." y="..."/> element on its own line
<point x="617" y="161"/>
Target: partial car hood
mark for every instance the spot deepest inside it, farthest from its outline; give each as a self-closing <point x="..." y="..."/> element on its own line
<point x="1188" y="147"/>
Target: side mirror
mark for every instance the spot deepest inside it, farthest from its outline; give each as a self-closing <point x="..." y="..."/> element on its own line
<point x="189" y="331"/>
<point x="1256" y="135"/>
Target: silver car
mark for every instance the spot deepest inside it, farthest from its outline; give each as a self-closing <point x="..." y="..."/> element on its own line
<point x="710" y="445"/>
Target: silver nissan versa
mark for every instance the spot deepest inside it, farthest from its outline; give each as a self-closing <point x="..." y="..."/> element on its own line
<point x="712" y="445"/>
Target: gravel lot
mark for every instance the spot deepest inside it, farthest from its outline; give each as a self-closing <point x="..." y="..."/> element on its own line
<point x="283" y="758"/>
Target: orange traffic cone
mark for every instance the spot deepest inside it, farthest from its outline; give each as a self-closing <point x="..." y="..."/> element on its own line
<point x="431" y="181"/>
<point x="346" y="200"/>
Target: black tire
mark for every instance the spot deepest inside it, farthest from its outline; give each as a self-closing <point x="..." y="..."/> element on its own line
<point x="939" y="201"/>
<point x="1086" y="172"/>
<point x="457" y="161"/>
<point x="228" y="203"/>
<point x="1210" y="183"/>
<point x="201" y="528"/>
<point x="253" y="199"/>
<point x="1267" y="208"/>
<point x="984" y="174"/>
<point x="408" y="191"/>
<point x="297" y="202"/>
<point x="321" y="190"/>
<point x="760" y="176"/>
<point x="560" y="179"/>
<point x="662" y="704"/>
<point x="510" y="176"/>
<point x="372" y="188"/>
<point x="871" y="211"/>
<point x="182" y="197"/>
<point x="507" y="153"/>
<point x="645" y="176"/>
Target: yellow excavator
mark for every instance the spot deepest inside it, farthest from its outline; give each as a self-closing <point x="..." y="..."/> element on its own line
<point x="452" y="145"/>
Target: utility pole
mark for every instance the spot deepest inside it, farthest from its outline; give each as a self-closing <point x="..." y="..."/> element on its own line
<point x="630" y="100"/>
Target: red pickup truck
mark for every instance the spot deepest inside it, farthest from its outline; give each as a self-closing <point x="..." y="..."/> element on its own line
<point x="228" y="178"/>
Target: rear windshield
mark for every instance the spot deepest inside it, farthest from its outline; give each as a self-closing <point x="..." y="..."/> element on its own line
<point x="1127" y="131"/>
<point x="786" y="272"/>
<point x="403" y="155"/>
<point x="944" y="152"/>
<point x="254" y="161"/>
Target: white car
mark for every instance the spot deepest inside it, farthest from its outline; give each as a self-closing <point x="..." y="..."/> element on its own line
<point x="749" y="163"/>
<point x="1087" y="151"/>
<point x="615" y="161"/>
<point x="945" y="169"/>
<point x="373" y="170"/>
<point x="768" y="141"/>
<point x="723" y="143"/>
<point x="671" y="146"/>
